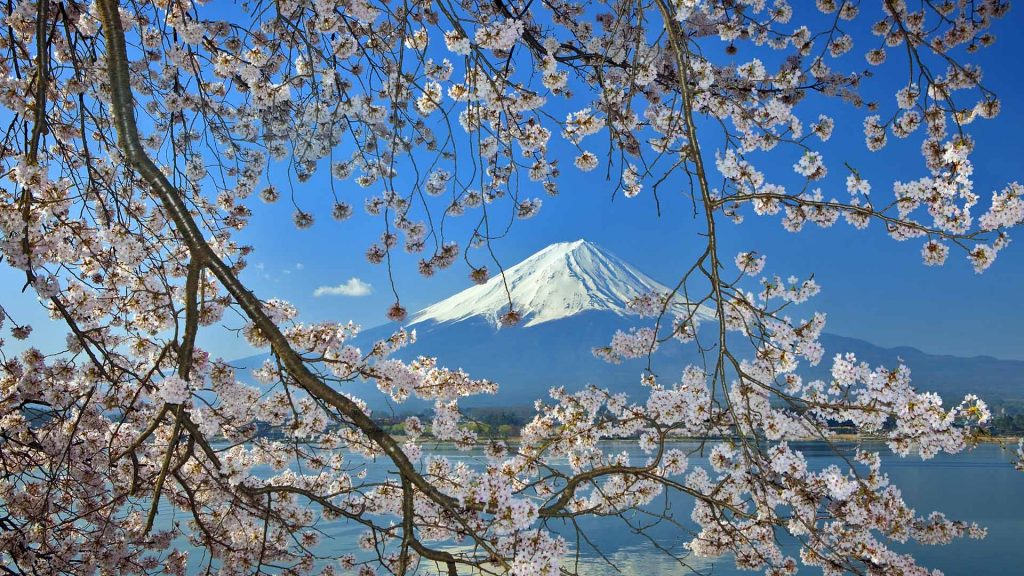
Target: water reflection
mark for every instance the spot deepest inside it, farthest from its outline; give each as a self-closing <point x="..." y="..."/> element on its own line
<point x="980" y="485"/>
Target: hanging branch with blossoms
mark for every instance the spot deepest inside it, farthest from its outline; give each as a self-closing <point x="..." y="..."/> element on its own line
<point x="139" y="136"/>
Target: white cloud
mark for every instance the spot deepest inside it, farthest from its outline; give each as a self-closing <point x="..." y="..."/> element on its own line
<point x="354" y="287"/>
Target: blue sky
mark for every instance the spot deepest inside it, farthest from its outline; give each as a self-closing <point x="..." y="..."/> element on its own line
<point x="873" y="287"/>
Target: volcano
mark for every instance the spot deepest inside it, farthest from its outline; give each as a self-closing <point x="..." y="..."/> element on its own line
<point x="573" y="296"/>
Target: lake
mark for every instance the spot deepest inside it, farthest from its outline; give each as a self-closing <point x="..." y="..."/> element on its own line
<point x="980" y="485"/>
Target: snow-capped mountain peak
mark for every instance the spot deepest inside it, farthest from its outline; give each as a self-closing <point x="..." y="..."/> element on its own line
<point x="561" y="280"/>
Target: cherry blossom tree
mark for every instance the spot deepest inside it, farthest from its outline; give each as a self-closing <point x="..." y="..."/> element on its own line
<point x="140" y="134"/>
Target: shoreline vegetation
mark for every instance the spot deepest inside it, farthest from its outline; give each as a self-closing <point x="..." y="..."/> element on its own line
<point x="842" y="438"/>
<point x="505" y="426"/>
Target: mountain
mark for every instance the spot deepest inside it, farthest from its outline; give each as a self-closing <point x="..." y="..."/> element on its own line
<point x="573" y="296"/>
<point x="560" y="281"/>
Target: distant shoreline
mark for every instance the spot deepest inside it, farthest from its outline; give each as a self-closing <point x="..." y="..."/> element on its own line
<point x="845" y="438"/>
<point x="990" y="439"/>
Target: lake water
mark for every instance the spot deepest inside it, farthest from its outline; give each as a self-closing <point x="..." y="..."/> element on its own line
<point x="980" y="486"/>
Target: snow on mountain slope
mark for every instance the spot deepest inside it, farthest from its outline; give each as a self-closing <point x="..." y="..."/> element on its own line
<point x="561" y="280"/>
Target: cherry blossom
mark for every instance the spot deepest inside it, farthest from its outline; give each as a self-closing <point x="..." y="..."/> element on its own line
<point x="145" y="138"/>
